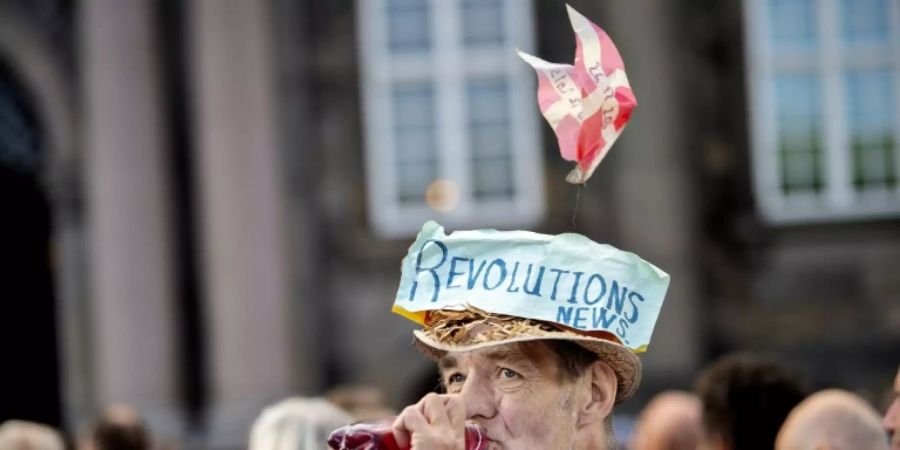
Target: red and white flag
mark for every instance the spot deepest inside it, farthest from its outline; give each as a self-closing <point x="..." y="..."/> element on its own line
<point x="587" y="104"/>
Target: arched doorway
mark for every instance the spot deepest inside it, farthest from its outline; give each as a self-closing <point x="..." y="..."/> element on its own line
<point x="29" y="381"/>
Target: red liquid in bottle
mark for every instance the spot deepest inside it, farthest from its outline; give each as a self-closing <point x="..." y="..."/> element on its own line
<point x="378" y="436"/>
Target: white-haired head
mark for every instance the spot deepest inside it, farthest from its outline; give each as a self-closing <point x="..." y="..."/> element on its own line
<point x="296" y="424"/>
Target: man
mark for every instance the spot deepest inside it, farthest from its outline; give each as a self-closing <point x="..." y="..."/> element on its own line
<point x="745" y="400"/>
<point x="892" y="416"/>
<point x="832" y="420"/>
<point x="522" y="360"/>
<point x="671" y="421"/>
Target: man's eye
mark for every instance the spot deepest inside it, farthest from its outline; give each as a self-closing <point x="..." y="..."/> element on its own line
<point x="455" y="378"/>
<point x="508" y="373"/>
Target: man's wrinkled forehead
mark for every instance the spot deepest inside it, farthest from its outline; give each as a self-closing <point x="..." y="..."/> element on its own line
<point x="522" y="354"/>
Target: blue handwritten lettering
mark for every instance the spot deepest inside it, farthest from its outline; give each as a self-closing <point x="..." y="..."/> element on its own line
<point x="420" y="269"/>
<point x="559" y="273"/>
<point x="579" y="318"/>
<point x="473" y="274"/>
<point x="631" y="297"/>
<point x="487" y="274"/>
<point x="602" y="320"/>
<point x="536" y="290"/>
<point x="622" y="329"/>
<point x="453" y="273"/>
<point x="587" y="289"/>
<point x="616" y="298"/>
<point x="512" y="279"/>
<point x="572" y="298"/>
<point x="564" y="315"/>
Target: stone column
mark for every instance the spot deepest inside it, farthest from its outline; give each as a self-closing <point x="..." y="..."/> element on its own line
<point x="655" y="209"/>
<point x="240" y="188"/>
<point x="128" y="212"/>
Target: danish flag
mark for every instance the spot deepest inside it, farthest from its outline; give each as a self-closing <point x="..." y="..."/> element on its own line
<point x="587" y="104"/>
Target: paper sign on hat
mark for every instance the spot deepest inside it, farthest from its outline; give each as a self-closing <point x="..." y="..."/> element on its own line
<point x="565" y="279"/>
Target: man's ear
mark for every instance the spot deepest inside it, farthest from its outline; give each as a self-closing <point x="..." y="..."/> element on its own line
<point x="603" y="385"/>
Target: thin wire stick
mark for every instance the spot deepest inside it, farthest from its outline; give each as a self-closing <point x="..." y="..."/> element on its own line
<point x="575" y="212"/>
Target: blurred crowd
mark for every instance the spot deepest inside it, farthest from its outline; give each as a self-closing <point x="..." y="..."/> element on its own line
<point x="739" y="402"/>
<point x="118" y="427"/>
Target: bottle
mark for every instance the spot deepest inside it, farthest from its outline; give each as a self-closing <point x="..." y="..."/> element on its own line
<point x="378" y="435"/>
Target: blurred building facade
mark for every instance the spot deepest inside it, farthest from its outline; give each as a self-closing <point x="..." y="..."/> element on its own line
<point x="219" y="192"/>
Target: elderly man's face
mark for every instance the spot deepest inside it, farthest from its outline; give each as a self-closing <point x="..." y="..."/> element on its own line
<point x="892" y="417"/>
<point x="517" y="393"/>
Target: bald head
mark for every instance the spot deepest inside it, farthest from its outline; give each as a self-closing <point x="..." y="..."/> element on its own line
<point x="671" y="421"/>
<point x="832" y="420"/>
<point x="21" y="435"/>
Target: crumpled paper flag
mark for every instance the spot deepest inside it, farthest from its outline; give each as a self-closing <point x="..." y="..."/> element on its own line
<point x="587" y="104"/>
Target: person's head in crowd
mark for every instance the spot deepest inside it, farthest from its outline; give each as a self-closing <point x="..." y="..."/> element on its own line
<point x="892" y="416"/>
<point x="745" y="399"/>
<point x="297" y="424"/>
<point x="361" y="402"/>
<point x="832" y="420"/>
<point x="119" y="427"/>
<point x="671" y="421"/>
<point x="22" y="435"/>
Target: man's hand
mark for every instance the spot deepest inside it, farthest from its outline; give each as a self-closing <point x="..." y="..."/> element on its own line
<point x="437" y="422"/>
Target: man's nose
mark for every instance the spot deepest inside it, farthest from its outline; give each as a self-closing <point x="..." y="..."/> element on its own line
<point x="478" y="397"/>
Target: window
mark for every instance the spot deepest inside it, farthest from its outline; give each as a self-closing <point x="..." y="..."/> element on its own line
<point x="451" y="125"/>
<point x="825" y="90"/>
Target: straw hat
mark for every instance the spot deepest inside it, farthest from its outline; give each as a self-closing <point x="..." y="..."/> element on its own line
<point x="471" y="329"/>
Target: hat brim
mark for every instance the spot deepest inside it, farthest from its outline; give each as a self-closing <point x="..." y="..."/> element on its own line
<point x="625" y="363"/>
